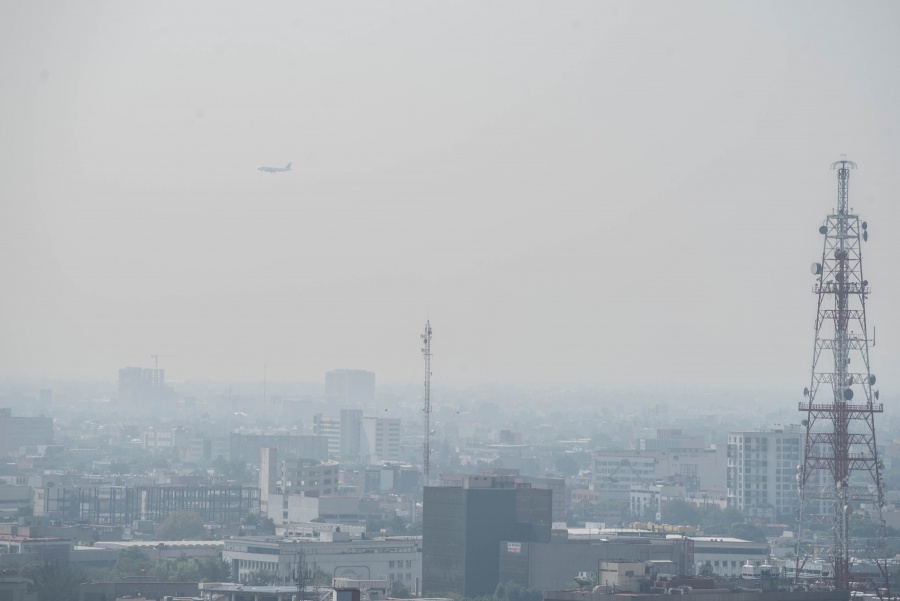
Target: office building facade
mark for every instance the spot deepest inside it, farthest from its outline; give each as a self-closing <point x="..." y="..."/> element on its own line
<point x="465" y="526"/>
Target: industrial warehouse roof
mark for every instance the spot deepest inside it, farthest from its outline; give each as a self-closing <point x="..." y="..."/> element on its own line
<point x="155" y="544"/>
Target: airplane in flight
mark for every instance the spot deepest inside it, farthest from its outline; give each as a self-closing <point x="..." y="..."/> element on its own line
<point x="275" y="169"/>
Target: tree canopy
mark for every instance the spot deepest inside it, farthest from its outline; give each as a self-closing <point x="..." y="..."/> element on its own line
<point x="182" y="525"/>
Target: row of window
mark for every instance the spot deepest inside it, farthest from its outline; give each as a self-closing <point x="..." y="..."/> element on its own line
<point x="399" y="563"/>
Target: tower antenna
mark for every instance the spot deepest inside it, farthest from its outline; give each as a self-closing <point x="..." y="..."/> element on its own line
<point x="840" y="472"/>
<point x="426" y="450"/>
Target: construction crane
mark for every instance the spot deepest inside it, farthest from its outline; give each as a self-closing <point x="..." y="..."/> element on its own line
<point x="156" y="359"/>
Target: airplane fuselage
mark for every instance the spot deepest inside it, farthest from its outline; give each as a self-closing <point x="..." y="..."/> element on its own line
<point x="274" y="169"/>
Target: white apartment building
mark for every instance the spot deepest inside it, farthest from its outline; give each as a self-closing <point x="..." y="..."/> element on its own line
<point x="762" y="472"/>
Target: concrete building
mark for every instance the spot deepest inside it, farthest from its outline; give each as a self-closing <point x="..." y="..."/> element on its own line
<point x="17" y="432"/>
<point x="351" y="435"/>
<point x="388" y="559"/>
<point x="554" y="565"/>
<point x="725" y="556"/>
<point x="248" y="447"/>
<point x="556" y="485"/>
<point x="308" y="477"/>
<point x="330" y="428"/>
<point x="291" y="509"/>
<point x="464" y="526"/>
<point x="139" y="386"/>
<point x="762" y="472"/>
<point x="615" y="472"/>
<point x="123" y="505"/>
<point x="268" y="477"/>
<point x="391" y="477"/>
<point x="23" y="549"/>
<point x="380" y="440"/>
<point x="165" y="439"/>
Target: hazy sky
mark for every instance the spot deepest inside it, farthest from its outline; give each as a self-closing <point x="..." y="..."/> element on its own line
<point x="589" y="193"/>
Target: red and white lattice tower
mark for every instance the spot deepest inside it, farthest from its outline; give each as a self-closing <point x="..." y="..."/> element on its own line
<point x="840" y="475"/>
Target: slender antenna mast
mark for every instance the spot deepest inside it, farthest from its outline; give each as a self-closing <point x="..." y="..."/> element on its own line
<point x="426" y="450"/>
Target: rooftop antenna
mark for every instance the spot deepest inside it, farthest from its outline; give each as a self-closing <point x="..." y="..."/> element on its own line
<point x="426" y="450"/>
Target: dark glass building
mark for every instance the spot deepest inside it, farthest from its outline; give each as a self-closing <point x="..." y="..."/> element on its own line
<point x="464" y="526"/>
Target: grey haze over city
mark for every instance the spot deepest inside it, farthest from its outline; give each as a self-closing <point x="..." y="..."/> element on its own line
<point x="581" y="194"/>
<point x="466" y="301"/>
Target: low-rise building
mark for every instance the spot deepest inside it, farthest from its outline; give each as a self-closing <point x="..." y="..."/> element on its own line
<point x="725" y="556"/>
<point x="389" y="559"/>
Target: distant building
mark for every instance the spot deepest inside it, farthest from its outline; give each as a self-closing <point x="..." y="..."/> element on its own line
<point x="350" y="386"/>
<point x="309" y="477"/>
<point x="123" y="505"/>
<point x="165" y="439"/>
<point x="139" y="385"/>
<point x="23" y="549"/>
<point x="554" y="565"/>
<point x="464" y="527"/>
<point x="297" y="508"/>
<point x="556" y="485"/>
<point x="391" y="478"/>
<point x="390" y="559"/>
<point x="248" y="447"/>
<point x="725" y="556"/>
<point x="762" y="472"/>
<point x="17" y="432"/>
<point x="330" y="428"/>
<point x="268" y="477"/>
<point x="351" y="435"/>
<point x="615" y="472"/>
<point x="380" y="440"/>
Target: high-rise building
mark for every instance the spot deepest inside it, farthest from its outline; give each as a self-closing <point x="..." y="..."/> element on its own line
<point x="268" y="476"/>
<point x="464" y="526"/>
<point x="351" y="434"/>
<point x="350" y="386"/>
<point x="380" y="439"/>
<point x="762" y="472"/>
<point x="330" y="428"/>
<point x="139" y="385"/>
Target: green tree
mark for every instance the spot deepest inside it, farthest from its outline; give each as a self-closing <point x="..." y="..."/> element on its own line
<point x="214" y="568"/>
<point x="260" y="578"/>
<point x="132" y="561"/>
<point x="746" y="531"/>
<point x="56" y="581"/>
<point x="182" y="525"/>
<point x="512" y="591"/>
<point x="680" y="513"/>
<point x="400" y="590"/>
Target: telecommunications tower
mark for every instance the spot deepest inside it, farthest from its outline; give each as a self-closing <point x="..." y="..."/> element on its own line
<point x="426" y="450"/>
<point x="839" y="477"/>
